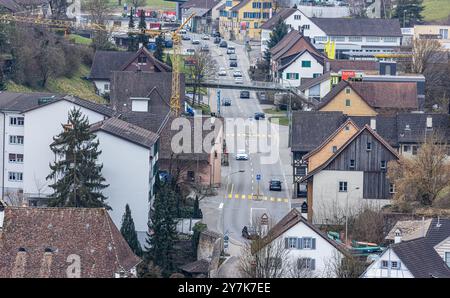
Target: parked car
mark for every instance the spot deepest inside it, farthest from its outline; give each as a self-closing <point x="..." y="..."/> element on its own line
<point x="227" y="102"/>
<point x="205" y="37"/>
<point x="249" y="233"/>
<point x="185" y="37"/>
<point x="244" y="94"/>
<point x="222" y="72"/>
<point x="195" y="41"/>
<point x="168" y="44"/>
<point x="237" y="73"/>
<point x="223" y="44"/>
<point x="204" y="48"/>
<point x="190" y="51"/>
<point x="260" y="116"/>
<point x="275" y="184"/>
<point x="241" y="155"/>
<point x="217" y="40"/>
<point x="233" y="57"/>
<point x="183" y="31"/>
<point x="233" y="63"/>
<point x="216" y="34"/>
<point x="231" y="51"/>
<point x="238" y="80"/>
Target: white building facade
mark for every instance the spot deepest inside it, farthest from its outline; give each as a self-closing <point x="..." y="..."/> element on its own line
<point x="305" y="65"/>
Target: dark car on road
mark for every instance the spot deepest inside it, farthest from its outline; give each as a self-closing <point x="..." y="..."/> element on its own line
<point x="227" y="102"/>
<point x="233" y="63"/>
<point x="260" y="116"/>
<point x="217" y="40"/>
<point x="244" y="94"/>
<point x="249" y="233"/>
<point x="216" y="34"/>
<point x="223" y="44"/>
<point x="275" y="184"/>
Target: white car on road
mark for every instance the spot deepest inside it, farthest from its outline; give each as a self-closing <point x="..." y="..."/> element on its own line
<point x="222" y="72"/>
<point x="241" y="155"/>
<point x="238" y="80"/>
<point x="237" y="73"/>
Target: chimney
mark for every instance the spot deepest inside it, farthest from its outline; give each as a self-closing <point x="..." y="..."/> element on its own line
<point x="304" y="210"/>
<point x="398" y="236"/>
<point x="373" y="123"/>
<point x="429" y="122"/>
<point x="438" y="224"/>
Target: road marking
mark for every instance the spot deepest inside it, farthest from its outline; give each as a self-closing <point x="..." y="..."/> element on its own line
<point x="286" y="200"/>
<point x="243" y="197"/>
<point x="230" y="196"/>
<point x="279" y="199"/>
<point x="249" y="197"/>
<point x="265" y="198"/>
<point x="272" y="199"/>
<point x="236" y="196"/>
<point x="221" y="206"/>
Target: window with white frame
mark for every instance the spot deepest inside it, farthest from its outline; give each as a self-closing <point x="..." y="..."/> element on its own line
<point x="16" y="140"/>
<point x="355" y="38"/>
<point x="372" y="38"/>
<point x="306" y="264"/>
<point x="320" y="38"/>
<point x="17" y="121"/>
<point x="305" y="27"/>
<point x="292" y="242"/>
<point x="15" y="176"/>
<point x="384" y="264"/>
<point x="443" y="33"/>
<point x="395" y="265"/>
<point x="342" y="186"/>
<point x="307" y="243"/>
<point x="337" y="38"/>
<point x="16" y="158"/>
<point x="389" y="39"/>
<point x="297" y="17"/>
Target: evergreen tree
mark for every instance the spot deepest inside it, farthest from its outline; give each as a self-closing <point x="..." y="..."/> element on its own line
<point x="197" y="212"/>
<point x="2" y="79"/>
<point x="131" y="21"/>
<point x="158" y="54"/>
<point x="163" y="229"/>
<point x="78" y="181"/>
<point x="129" y="233"/>
<point x="278" y="32"/>
<point x="409" y="12"/>
<point x="142" y="23"/>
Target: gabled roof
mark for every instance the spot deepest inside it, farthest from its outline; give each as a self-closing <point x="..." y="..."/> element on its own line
<point x="283" y="14"/>
<point x="347" y="122"/>
<point x="338" y="152"/>
<point x="240" y="5"/>
<point x="126" y="131"/>
<point x="11" y="5"/>
<point x="162" y="67"/>
<point x="293" y="43"/>
<point x="359" y="26"/>
<point x="312" y="128"/>
<point x="410" y="229"/>
<point x="199" y="4"/>
<point x="290" y="220"/>
<point x="105" y="62"/>
<point x="285" y="62"/>
<point x="47" y="237"/>
<point x="196" y="267"/>
<point x="387" y="95"/>
<point x="411" y="127"/>
<point x="315" y="81"/>
<point x="419" y="255"/>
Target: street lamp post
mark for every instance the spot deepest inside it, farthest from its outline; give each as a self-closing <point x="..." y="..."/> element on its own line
<point x="346" y="215"/>
<point x="223" y="199"/>
<point x="404" y="18"/>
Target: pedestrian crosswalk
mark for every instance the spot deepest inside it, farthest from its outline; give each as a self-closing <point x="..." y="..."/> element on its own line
<point x="255" y="197"/>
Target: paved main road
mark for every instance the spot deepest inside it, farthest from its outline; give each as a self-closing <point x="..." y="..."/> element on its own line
<point x="237" y="202"/>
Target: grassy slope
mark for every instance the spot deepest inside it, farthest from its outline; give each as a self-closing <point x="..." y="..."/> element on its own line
<point x="76" y="86"/>
<point x="80" y="39"/>
<point x="436" y="9"/>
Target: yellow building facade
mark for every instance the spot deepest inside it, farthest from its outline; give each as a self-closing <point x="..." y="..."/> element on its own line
<point x="349" y="102"/>
<point x="242" y="20"/>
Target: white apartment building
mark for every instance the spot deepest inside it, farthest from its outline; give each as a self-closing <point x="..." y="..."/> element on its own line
<point x="29" y="123"/>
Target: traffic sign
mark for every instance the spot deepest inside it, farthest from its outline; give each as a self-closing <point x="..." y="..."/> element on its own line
<point x="258" y="177"/>
<point x="226" y="238"/>
<point x="264" y="219"/>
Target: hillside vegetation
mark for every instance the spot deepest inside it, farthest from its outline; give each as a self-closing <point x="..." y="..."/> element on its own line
<point x="436" y="10"/>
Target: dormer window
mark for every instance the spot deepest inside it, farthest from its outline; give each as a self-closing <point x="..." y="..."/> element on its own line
<point x="398" y="233"/>
<point x="429" y="122"/>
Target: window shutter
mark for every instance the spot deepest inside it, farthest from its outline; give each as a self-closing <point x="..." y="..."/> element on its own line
<point x="296" y="76"/>
<point x="399" y="265"/>
<point x="286" y="244"/>
<point x="313" y="264"/>
<point x="299" y="243"/>
<point x="313" y="243"/>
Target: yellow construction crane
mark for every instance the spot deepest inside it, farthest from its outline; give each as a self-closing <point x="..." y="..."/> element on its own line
<point x="176" y="39"/>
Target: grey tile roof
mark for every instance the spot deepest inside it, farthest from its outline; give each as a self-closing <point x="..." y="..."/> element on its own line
<point x="199" y="4"/>
<point x="359" y="27"/>
<point x="126" y="131"/>
<point x="310" y="129"/>
<point x="315" y="81"/>
<point x="200" y="266"/>
<point x="105" y="62"/>
<point x="150" y="121"/>
<point x="357" y="65"/>
<point x="419" y="255"/>
<point x="87" y="232"/>
<point x="239" y="5"/>
<point x="285" y="62"/>
<point x="410" y="229"/>
<point x="11" y="5"/>
<point x="283" y="14"/>
<point x="24" y="102"/>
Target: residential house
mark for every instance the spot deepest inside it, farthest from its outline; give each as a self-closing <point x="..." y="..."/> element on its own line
<point x="30" y="123"/>
<point x="63" y="243"/>
<point x="294" y="59"/>
<point x="105" y="62"/>
<point x="354" y="37"/>
<point x="316" y="135"/>
<point x="142" y="98"/>
<point x="425" y="254"/>
<point x="206" y="16"/>
<point x="434" y="31"/>
<point x="286" y="15"/>
<point x="39" y="8"/>
<point x="310" y="253"/>
<point x="353" y="177"/>
<point x="242" y="20"/>
<point x="371" y="98"/>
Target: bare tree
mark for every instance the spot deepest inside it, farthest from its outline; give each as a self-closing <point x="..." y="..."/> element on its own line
<point x="98" y="11"/>
<point x="357" y="8"/>
<point x="346" y="266"/>
<point x="422" y="179"/>
<point x="298" y="269"/>
<point x="264" y="257"/>
<point x="14" y="198"/>
<point x="202" y="67"/>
